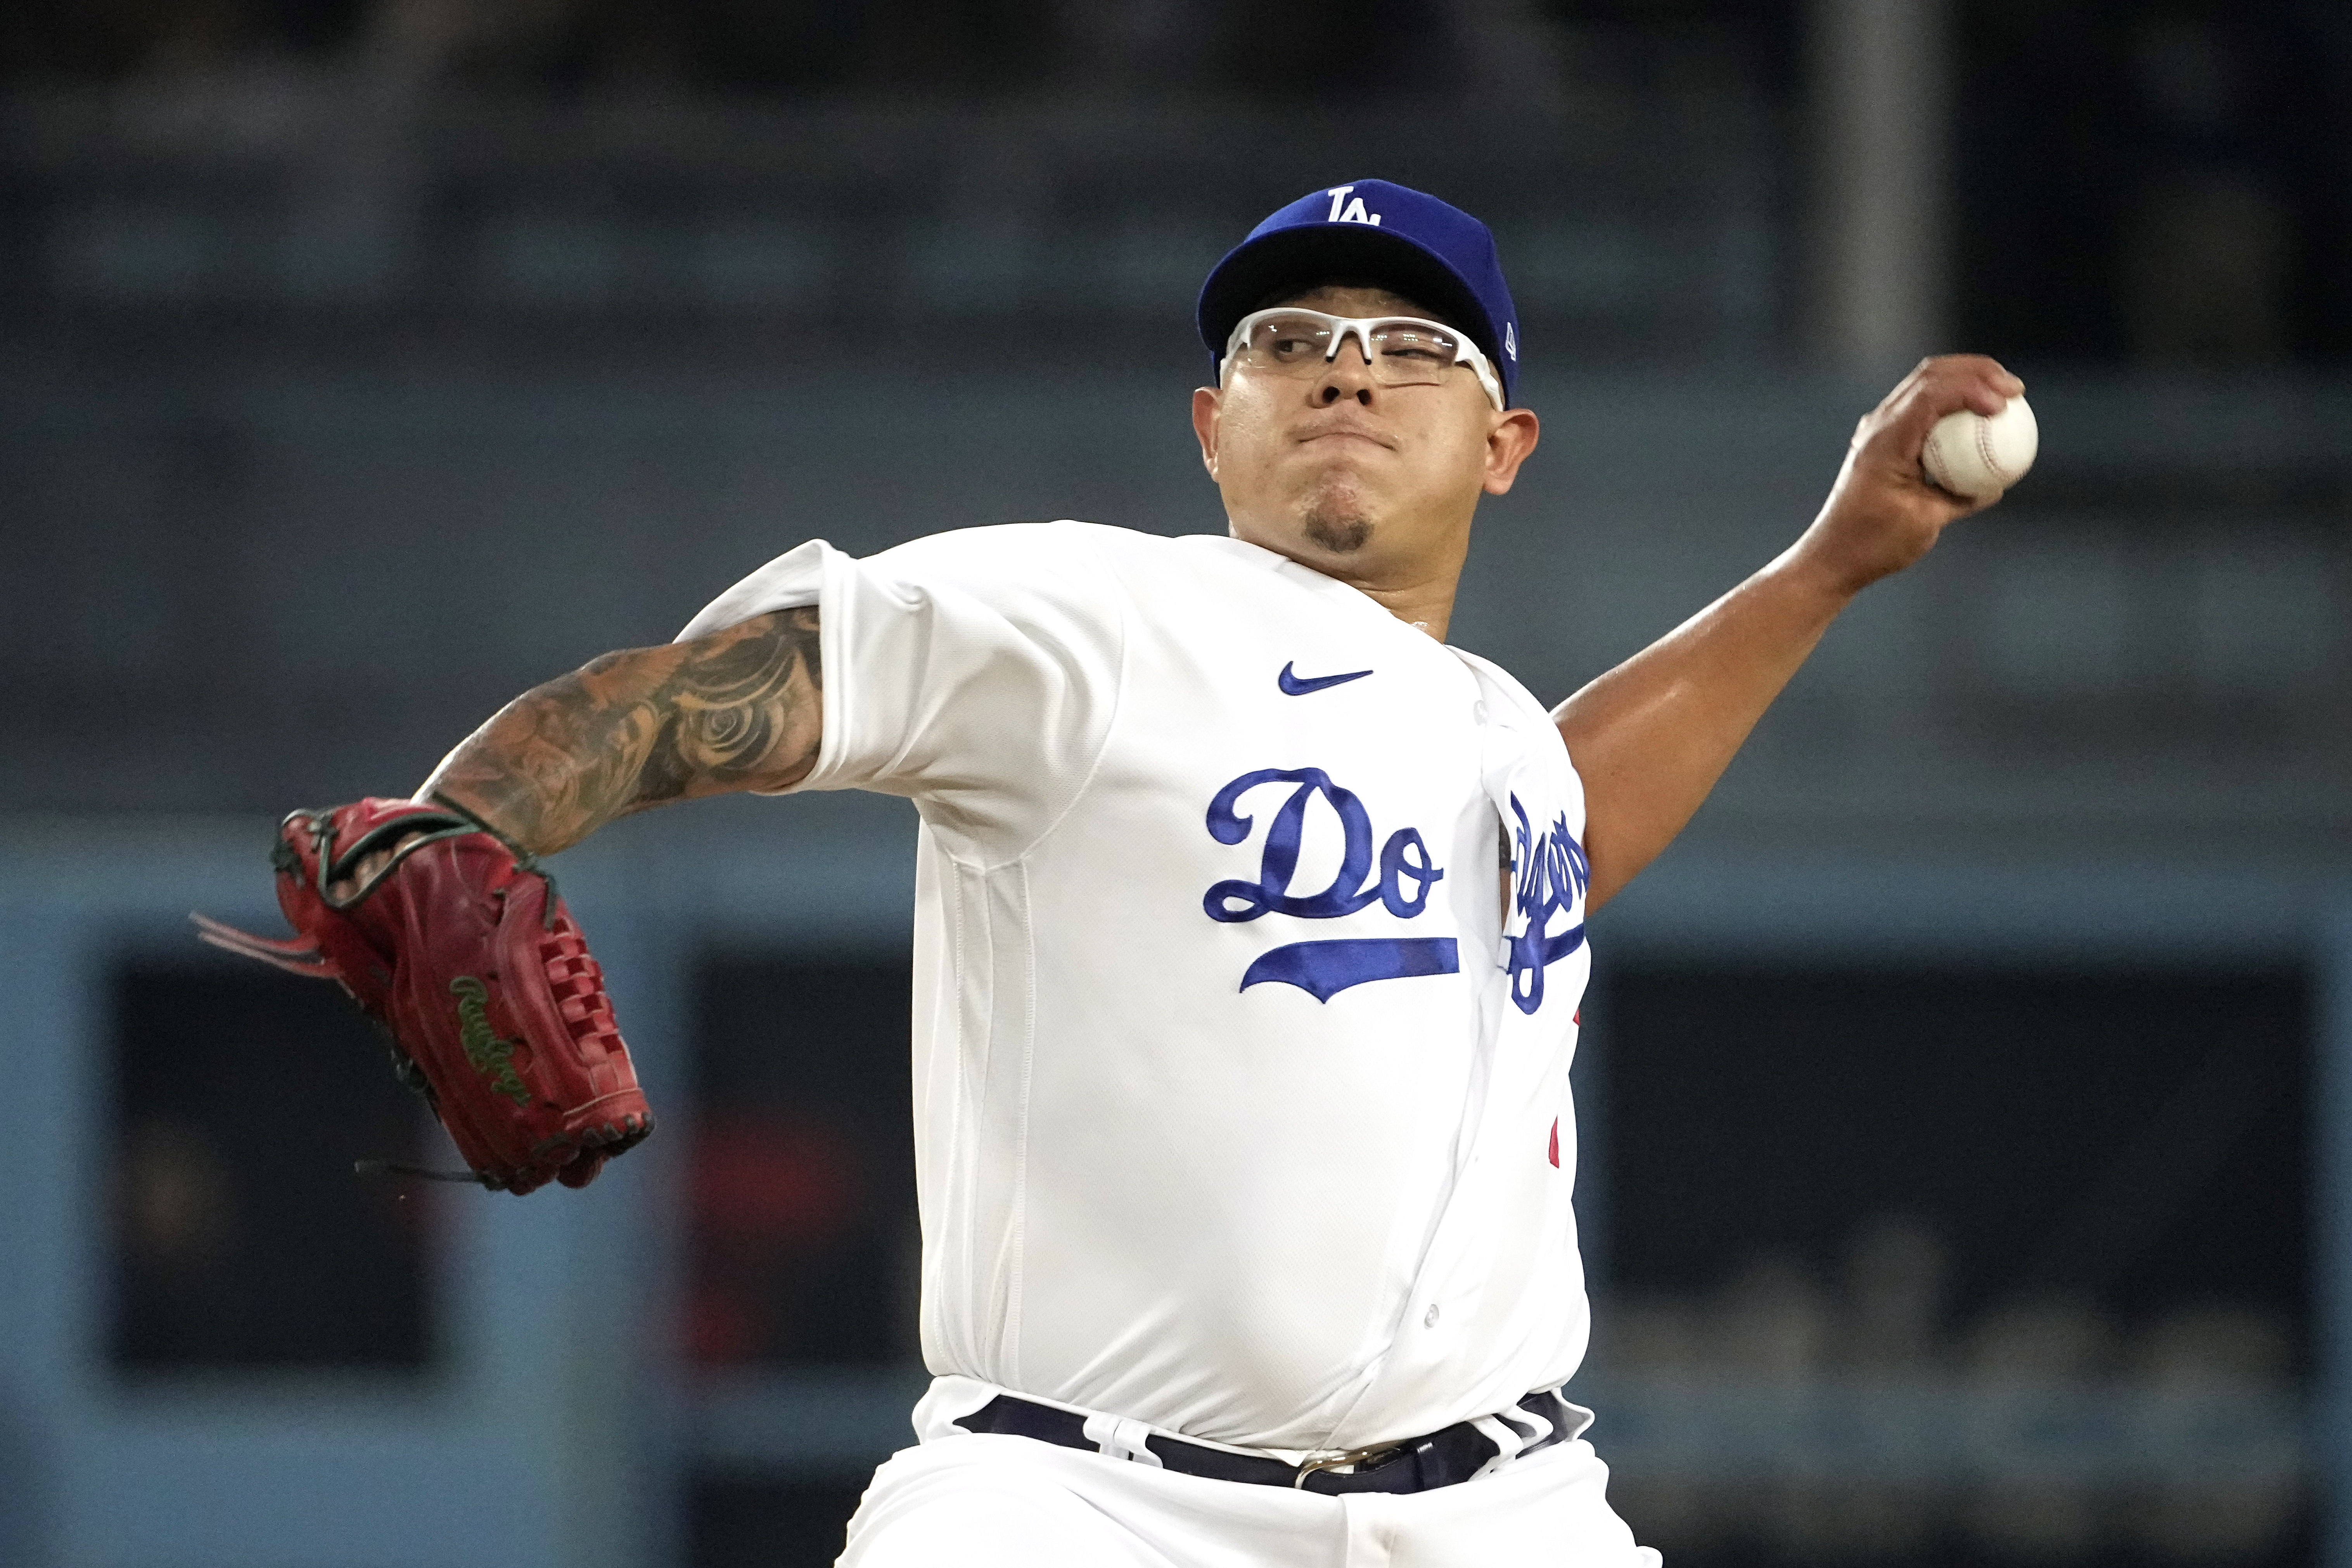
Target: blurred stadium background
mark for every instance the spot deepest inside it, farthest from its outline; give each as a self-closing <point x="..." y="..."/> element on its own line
<point x="1968" y="1097"/>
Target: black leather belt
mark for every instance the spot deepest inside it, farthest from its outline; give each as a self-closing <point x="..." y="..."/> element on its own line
<point x="1412" y="1465"/>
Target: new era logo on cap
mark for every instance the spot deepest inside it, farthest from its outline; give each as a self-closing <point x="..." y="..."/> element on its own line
<point x="1372" y="230"/>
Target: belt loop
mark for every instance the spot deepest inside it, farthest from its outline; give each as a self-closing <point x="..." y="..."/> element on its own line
<point x="1121" y="1438"/>
<point x="1578" y="1418"/>
<point x="1543" y="1425"/>
<point x="1506" y="1438"/>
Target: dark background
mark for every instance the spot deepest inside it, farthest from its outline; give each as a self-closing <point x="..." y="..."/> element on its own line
<point x="361" y="364"/>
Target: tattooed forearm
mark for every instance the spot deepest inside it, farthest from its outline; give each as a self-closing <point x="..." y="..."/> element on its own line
<point x="740" y="709"/>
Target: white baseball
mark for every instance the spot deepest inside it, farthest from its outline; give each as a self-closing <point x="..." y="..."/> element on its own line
<point x="1972" y="456"/>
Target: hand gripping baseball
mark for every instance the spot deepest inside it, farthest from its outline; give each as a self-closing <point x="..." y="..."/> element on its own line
<point x="1883" y="512"/>
<point x="458" y="944"/>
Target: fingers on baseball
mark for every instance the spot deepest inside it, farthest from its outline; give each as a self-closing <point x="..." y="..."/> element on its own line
<point x="1964" y="506"/>
<point x="1947" y="383"/>
<point x="1898" y="427"/>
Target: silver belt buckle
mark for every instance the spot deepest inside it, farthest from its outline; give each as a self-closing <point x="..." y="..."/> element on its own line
<point x="1341" y="1461"/>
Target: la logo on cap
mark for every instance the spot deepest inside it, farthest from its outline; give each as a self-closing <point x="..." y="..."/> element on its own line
<point x="1355" y="212"/>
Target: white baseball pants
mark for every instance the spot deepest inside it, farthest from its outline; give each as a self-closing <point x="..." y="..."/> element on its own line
<point x="989" y="1501"/>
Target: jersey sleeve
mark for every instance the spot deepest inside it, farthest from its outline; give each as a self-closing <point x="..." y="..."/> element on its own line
<point x="975" y="672"/>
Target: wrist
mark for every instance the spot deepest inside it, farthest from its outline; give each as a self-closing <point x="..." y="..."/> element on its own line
<point x="480" y="819"/>
<point x="494" y="815"/>
<point x="1814" y="569"/>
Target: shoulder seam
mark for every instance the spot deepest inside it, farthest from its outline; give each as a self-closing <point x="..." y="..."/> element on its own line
<point x="1110" y="726"/>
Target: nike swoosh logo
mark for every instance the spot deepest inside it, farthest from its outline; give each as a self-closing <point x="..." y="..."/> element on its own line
<point x="1300" y="685"/>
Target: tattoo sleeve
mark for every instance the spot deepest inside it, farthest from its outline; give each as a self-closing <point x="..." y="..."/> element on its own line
<point x="740" y="709"/>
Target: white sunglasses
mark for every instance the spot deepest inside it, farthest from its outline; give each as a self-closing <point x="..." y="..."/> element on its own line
<point x="1403" y="351"/>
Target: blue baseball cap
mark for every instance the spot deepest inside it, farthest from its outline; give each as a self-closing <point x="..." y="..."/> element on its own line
<point x="1373" y="232"/>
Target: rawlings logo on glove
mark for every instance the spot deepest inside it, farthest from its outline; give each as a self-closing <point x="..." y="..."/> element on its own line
<point x="458" y="944"/>
<point x="492" y="1056"/>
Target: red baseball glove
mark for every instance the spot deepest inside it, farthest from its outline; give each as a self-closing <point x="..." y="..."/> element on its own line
<point x="460" y="948"/>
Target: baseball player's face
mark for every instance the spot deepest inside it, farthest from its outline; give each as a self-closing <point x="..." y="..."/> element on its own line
<point x="1370" y="483"/>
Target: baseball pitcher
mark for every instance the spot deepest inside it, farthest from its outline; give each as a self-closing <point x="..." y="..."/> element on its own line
<point x="1250" y="927"/>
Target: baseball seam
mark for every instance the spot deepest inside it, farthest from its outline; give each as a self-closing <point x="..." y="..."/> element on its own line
<point x="1984" y="452"/>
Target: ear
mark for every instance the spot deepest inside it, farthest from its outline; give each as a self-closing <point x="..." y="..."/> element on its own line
<point x="1207" y="403"/>
<point x="1508" y="444"/>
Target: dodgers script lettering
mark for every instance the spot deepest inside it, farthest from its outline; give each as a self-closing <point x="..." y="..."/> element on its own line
<point x="1406" y="870"/>
<point x="1549" y="876"/>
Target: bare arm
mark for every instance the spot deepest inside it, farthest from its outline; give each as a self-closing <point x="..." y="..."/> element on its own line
<point x="740" y="709"/>
<point x="1651" y="736"/>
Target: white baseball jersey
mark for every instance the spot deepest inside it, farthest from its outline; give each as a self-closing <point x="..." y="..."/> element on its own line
<point x="1241" y="1096"/>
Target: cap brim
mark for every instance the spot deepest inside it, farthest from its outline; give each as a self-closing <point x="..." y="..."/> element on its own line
<point x="1299" y="259"/>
